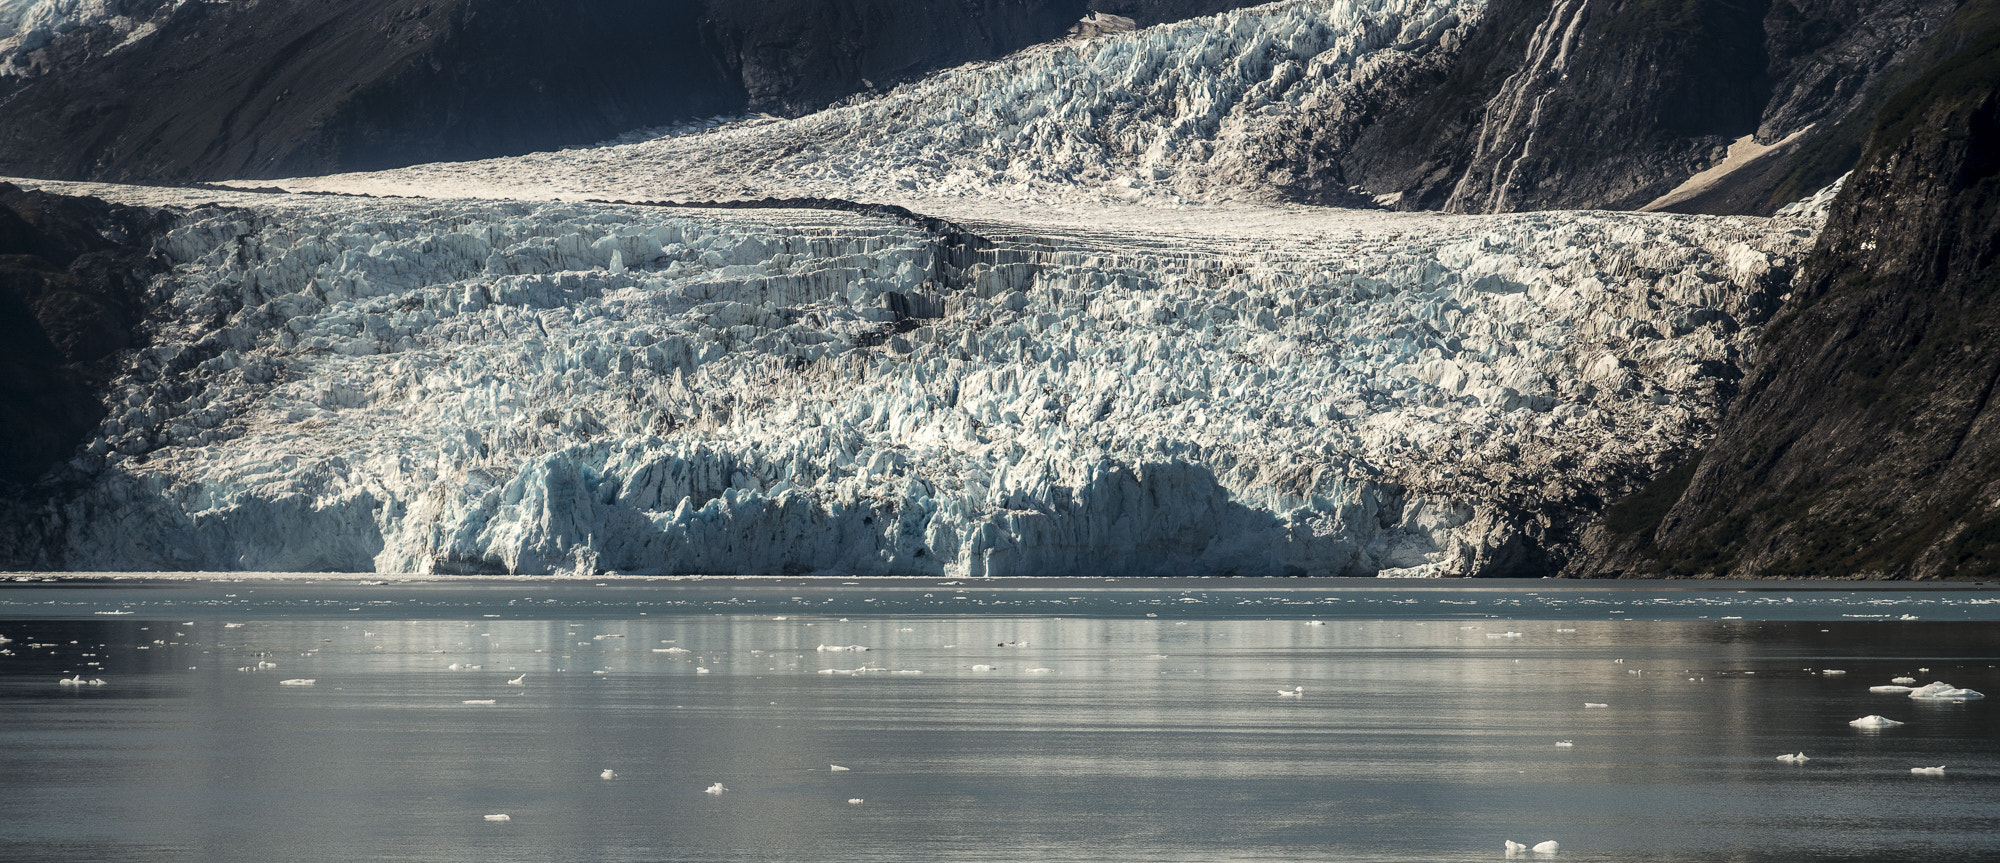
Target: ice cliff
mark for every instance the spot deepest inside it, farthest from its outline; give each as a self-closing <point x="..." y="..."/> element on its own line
<point x="346" y="384"/>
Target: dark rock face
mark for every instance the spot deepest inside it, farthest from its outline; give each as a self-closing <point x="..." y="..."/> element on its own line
<point x="250" y="88"/>
<point x="1867" y="439"/>
<point x="796" y="57"/>
<point x="1556" y="104"/>
<point x="72" y="282"/>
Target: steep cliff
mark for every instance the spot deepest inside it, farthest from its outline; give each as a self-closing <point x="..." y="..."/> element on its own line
<point x="1866" y="441"/>
<point x="1615" y="103"/>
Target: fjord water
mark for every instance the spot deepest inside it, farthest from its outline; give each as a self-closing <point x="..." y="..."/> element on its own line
<point x="1126" y="721"/>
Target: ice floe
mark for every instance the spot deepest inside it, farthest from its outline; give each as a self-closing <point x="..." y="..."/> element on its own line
<point x="1874" y="721"/>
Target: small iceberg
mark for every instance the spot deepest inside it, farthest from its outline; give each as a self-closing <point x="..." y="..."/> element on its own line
<point x="1832" y="671"/>
<point x="79" y="681"/>
<point x="835" y="768"/>
<point x="854" y="801"/>
<point x="1941" y="689"/>
<point x="837" y="648"/>
<point x="1514" y="847"/>
<point x="1294" y="692"/>
<point x="1565" y="744"/>
<point x="1873" y="721"/>
<point x="1904" y="681"/>
<point x="982" y="668"/>
<point x="670" y="650"/>
<point x="608" y="773"/>
<point x="1928" y="771"/>
<point x="716" y="789"/>
<point x="519" y="681"/>
<point x="500" y="817"/>
<point x="1800" y="758"/>
<point x="1590" y="704"/>
<point x="299" y="681"/>
<point x="1549" y="847"/>
<point x="477" y="701"/>
<point x="1039" y="670"/>
<point x="1890" y="690"/>
<point x="700" y="670"/>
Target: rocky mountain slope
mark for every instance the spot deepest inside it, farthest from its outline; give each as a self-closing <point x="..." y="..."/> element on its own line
<point x="1865" y="441"/>
<point x="173" y="91"/>
<point x="73" y="279"/>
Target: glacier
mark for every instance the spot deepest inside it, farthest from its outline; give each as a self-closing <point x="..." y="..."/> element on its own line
<point x="470" y="386"/>
<point x="1192" y="112"/>
<point x="1093" y="344"/>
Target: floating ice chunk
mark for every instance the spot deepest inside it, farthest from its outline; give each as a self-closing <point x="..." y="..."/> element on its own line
<point x="854" y="801"/>
<point x="700" y="670"/>
<point x="1514" y="847"/>
<point x="1590" y="704"/>
<point x="1565" y="744"/>
<point x="836" y="648"/>
<point x="232" y="626"/>
<point x="500" y="817"/>
<point x="1928" y="771"/>
<point x="1294" y="692"/>
<point x="1909" y="617"/>
<point x="1874" y="721"/>
<point x="670" y="650"/>
<point x="1040" y="670"/>
<point x="608" y="773"/>
<point x="1832" y="671"/>
<point x="716" y="789"/>
<point x="982" y="668"/>
<point x="299" y="681"/>
<point x="1941" y="689"/>
<point x="1800" y="758"/>
<point x="1315" y="623"/>
<point x="79" y="681"/>
<point x="1905" y="681"/>
<point x="519" y="681"/>
<point x="477" y="701"/>
<point x="1503" y="635"/>
<point x="1549" y="847"/>
<point x="835" y="768"/>
<point x="264" y="664"/>
<point x="1889" y="690"/>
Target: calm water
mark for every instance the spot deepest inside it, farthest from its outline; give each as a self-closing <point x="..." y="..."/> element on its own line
<point x="1425" y="730"/>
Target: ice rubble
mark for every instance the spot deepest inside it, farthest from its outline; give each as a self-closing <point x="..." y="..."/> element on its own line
<point x="1195" y="110"/>
<point x="550" y="387"/>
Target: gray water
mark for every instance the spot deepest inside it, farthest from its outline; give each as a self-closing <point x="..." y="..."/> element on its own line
<point x="1424" y="731"/>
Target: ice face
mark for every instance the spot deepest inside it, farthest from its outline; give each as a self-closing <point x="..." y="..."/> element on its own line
<point x="475" y="387"/>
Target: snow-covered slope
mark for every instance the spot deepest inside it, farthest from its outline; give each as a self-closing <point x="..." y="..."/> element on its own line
<point x="529" y="387"/>
<point x="1179" y="112"/>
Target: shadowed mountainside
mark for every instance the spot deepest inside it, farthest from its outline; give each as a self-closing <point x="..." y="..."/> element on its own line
<point x="1866" y="440"/>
